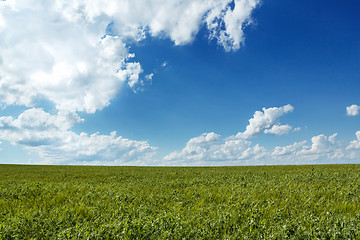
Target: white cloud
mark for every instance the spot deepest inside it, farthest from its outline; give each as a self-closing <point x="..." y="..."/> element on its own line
<point x="196" y="148"/>
<point x="101" y="149"/>
<point x="204" y="139"/>
<point x="75" y="54"/>
<point x="226" y="24"/>
<point x="353" y="110"/>
<point x="288" y="150"/>
<point x="35" y="120"/>
<point x="278" y="129"/>
<point x="354" y="147"/>
<point x="210" y="149"/>
<point x="49" y="135"/>
<point x="355" y="144"/>
<point x="242" y="152"/>
<point x="321" y="144"/>
<point x="322" y="147"/>
<point x="133" y="71"/>
<point x="62" y="51"/>
<point x="164" y="64"/>
<point x="69" y="65"/>
<point x="266" y="121"/>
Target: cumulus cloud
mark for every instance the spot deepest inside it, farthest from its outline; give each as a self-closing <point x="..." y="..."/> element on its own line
<point x="210" y="149"/>
<point x="76" y="55"/>
<point x="267" y="121"/>
<point x="196" y="148"/>
<point x="355" y="144"/>
<point x="35" y="127"/>
<point x="353" y="149"/>
<point x="288" y="150"/>
<point x="226" y="25"/>
<point x="49" y="135"/>
<point x="353" y="110"/>
<point x="322" y="147"/>
<point x="321" y="144"/>
<point x="97" y="149"/>
<point x="278" y="129"/>
<point x="219" y="151"/>
<point x="74" y="67"/>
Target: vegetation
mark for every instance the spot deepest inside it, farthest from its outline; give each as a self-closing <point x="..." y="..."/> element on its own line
<point x="273" y="202"/>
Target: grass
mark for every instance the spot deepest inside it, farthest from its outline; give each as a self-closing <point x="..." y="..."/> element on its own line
<point x="273" y="202"/>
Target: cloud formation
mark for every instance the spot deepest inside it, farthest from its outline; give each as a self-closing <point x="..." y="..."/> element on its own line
<point x="278" y="129"/>
<point x="226" y="24"/>
<point x="354" y="147"/>
<point x="76" y="55"/>
<point x="49" y="135"/>
<point x="210" y="149"/>
<point x="288" y="150"/>
<point x="321" y="144"/>
<point x="267" y="121"/>
<point x="243" y="152"/>
<point x="323" y="148"/>
<point x="355" y="144"/>
<point x="353" y="110"/>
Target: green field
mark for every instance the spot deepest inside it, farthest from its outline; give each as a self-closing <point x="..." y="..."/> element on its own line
<point x="273" y="202"/>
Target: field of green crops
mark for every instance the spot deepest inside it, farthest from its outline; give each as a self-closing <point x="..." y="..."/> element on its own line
<point x="274" y="202"/>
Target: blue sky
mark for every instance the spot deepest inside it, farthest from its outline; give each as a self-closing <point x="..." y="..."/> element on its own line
<point x="175" y="90"/>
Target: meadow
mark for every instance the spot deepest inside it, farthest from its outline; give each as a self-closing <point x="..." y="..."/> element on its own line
<point x="263" y="202"/>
